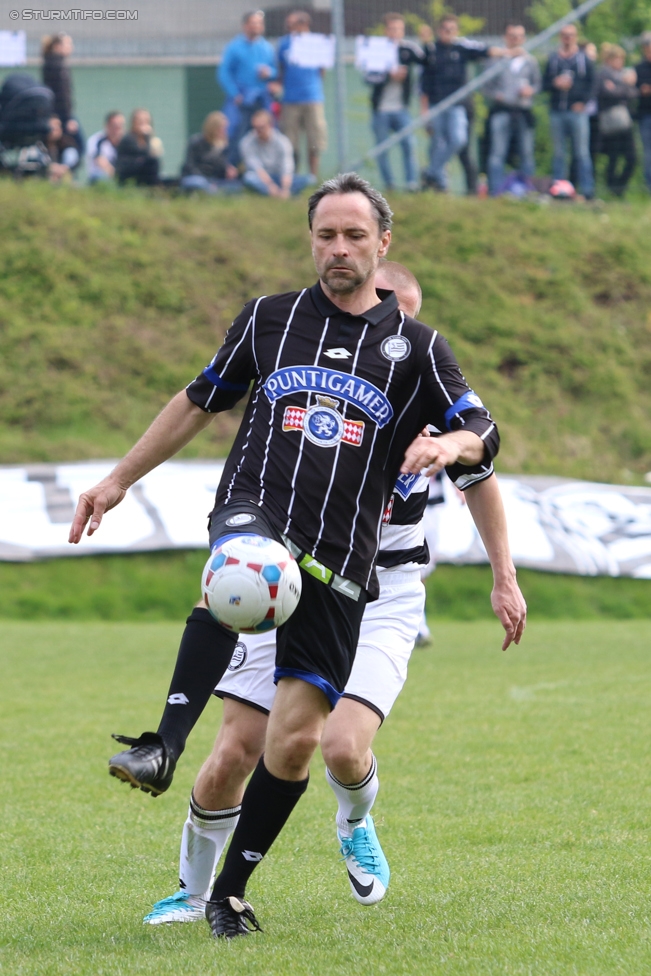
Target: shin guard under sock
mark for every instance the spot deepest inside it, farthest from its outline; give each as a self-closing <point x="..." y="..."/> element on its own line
<point x="355" y="799"/>
<point x="205" y="835"/>
<point x="266" y="806"/>
<point x="204" y="654"/>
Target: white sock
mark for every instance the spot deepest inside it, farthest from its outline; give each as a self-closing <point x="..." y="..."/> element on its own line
<point x="205" y="834"/>
<point x="355" y="799"/>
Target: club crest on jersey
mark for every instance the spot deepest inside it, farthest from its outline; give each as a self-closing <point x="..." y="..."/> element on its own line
<point x="323" y="425"/>
<point x="395" y="348"/>
<point x="319" y="379"/>
<point x="386" y="517"/>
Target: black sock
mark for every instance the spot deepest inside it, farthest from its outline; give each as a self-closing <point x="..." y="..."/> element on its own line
<point x="266" y="806"/>
<point x="204" y="654"/>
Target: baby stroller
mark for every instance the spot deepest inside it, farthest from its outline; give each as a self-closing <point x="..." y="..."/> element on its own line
<point x="25" y="109"/>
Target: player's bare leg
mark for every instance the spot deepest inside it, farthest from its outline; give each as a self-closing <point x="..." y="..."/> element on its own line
<point x="352" y="775"/>
<point x="214" y="811"/>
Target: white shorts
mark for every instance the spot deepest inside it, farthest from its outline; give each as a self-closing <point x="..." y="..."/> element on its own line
<point x="386" y="639"/>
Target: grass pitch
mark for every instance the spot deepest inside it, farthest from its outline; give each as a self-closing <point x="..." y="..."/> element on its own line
<point x="514" y="811"/>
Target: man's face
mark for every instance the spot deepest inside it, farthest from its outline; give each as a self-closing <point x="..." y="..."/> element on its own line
<point x="115" y="129"/>
<point x="514" y="37"/>
<point x="142" y="123"/>
<point x="254" y="27"/>
<point x="568" y="36"/>
<point x="448" y="31"/>
<point x="297" y="25"/>
<point x="408" y="297"/>
<point x="395" y="30"/>
<point x="261" y="125"/>
<point x="346" y="241"/>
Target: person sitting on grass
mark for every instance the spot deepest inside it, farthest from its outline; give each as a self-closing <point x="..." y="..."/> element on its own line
<point x="102" y="149"/>
<point x="206" y="165"/>
<point x="64" y="150"/>
<point x="140" y="152"/>
<point x="269" y="160"/>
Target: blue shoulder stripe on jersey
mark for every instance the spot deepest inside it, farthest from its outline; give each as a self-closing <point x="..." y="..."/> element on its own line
<point x="331" y="693"/>
<point x="469" y="401"/>
<point x="216" y="380"/>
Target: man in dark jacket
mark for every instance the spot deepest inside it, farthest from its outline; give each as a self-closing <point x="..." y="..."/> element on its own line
<point x="569" y="78"/>
<point x="643" y="71"/>
<point x="390" y="96"/>
<point x="444" y="72"/>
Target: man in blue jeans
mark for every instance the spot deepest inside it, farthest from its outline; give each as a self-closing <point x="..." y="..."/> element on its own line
<point x="269" y="160"/>
<point x="643" y="70"/>
<point x="569" y="79"/>
<point x="248" y="65"/>
<point x="390" y="96"/>
<point x="510" y="95"/>
<point x="444" y="72"/>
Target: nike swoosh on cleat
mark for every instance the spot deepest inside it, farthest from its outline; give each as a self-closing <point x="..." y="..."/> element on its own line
<point x="362" y="890"/>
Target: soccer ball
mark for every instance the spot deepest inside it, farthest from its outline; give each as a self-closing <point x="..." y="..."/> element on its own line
<point x="251" y="584"/>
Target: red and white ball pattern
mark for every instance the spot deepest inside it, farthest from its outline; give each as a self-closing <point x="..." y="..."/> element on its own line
<point x="251" y="584"/>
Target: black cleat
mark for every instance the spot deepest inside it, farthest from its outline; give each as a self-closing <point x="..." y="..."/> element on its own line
<point x="228" y="918"/>
<point x="146" y="765"/>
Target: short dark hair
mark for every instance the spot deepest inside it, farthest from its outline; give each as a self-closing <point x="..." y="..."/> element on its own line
<point x="301" y="16"/>
<point x="252" y="13"/>
<point x="391" y="16"/>
<point x="111" y="116"/>
<point x="352" y="183"/>
<point x="514" y="23"/>
<point x="448" y="19"/>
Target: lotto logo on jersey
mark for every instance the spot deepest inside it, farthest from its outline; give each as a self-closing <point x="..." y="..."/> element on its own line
<point x="323" y="425"/>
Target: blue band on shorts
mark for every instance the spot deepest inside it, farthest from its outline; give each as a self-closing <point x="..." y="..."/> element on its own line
<point x="231" y="535"/>
<point x="331" y="693"/>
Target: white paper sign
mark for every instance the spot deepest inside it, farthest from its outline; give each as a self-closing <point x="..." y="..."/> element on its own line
<point x="308" y="50"/>
<point x="375" y="55"/>
<point x="13" y="48"/>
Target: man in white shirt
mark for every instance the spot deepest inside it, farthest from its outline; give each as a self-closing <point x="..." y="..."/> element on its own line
<point x="102" y="148"/>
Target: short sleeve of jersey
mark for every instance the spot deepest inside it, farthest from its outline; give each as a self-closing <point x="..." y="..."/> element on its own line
<point x="228" y="377"/>
<point x="451" y="405"/>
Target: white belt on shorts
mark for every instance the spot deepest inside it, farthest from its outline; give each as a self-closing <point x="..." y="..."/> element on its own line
<point x="387" y="577"/>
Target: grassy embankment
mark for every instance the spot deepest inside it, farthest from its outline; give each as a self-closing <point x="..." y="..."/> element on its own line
<point x="110" y="302"/>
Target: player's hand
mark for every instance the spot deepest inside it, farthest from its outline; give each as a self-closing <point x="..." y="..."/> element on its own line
<point x="429" y="455"/>
<point x="92" y="505"/>
<point x="510" y="608"/>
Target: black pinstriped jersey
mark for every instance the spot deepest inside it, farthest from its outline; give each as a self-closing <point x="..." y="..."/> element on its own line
<point x="402" y="540"/>
<point x="336" y="400"/>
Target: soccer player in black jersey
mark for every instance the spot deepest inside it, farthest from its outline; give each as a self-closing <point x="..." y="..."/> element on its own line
<point x="342" y="383"/>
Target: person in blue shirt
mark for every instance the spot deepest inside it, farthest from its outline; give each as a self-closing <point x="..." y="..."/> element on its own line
<point x="302" y="105"/>
<point x="248" y="65"/>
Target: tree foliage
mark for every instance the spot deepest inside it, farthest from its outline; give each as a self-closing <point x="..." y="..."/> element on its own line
<point x="613" y="20"/>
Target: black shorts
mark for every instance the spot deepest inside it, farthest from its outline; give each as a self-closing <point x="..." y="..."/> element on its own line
<point x="319" y="641"/>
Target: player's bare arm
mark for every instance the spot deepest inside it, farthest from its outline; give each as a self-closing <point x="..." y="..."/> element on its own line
<point x="431" y="454"/>
<point x="486" y="507"/>
<point x="177" y="424"/>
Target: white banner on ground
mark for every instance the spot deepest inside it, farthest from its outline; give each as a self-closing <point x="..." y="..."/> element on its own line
<point x="554" y="524"/>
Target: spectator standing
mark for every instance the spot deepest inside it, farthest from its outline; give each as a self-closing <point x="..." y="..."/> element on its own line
<point x="139" y="152"/>
<point x="444" y="72"/>
<point x="56" y="75"/>
<point x="206" y="165"/>
<point x="269" y="160"/>
<point x="643" y="73"/>
<point x="511" y="98"/>
<point x="615" y="93"/>
<point x="248" y="65"/>
<point x="302" y="105"/>
<point x="390" y="97"/>
<point x="102" y="149"/>
<point x="569" y="78"/>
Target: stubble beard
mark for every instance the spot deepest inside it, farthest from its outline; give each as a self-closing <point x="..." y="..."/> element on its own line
<point x="345" y="284"/>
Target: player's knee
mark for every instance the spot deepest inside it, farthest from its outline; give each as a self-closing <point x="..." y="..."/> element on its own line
<point x="296" y="749"/>
<point x="231" y="757"/>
